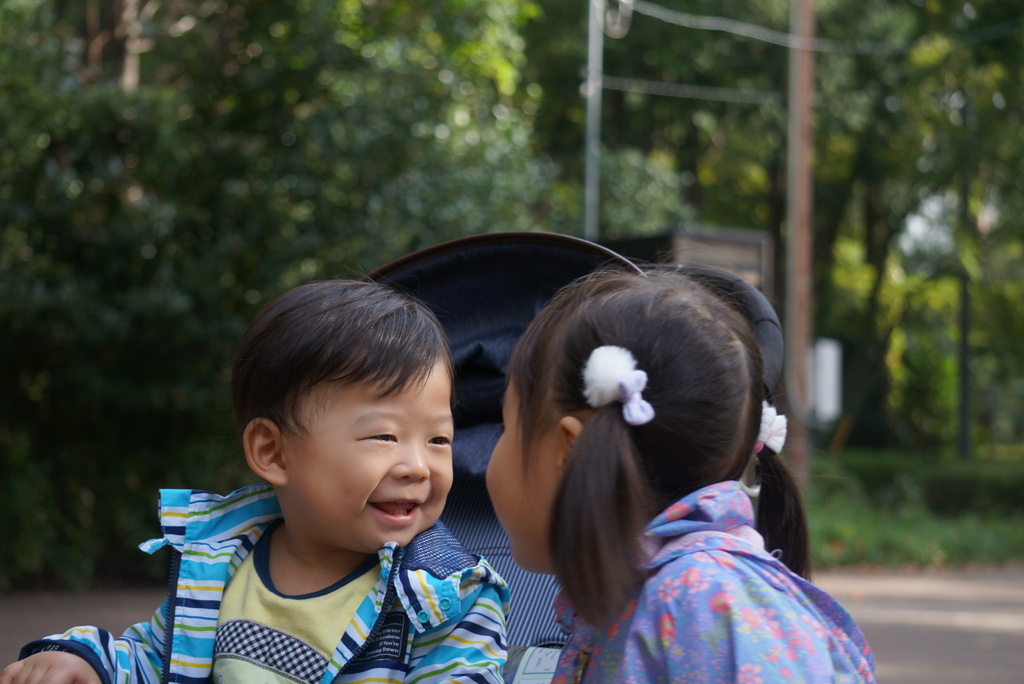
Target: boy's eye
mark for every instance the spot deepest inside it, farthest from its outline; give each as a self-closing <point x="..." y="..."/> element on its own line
<point x="386" y="438"/>
<point x="443" y="441"/>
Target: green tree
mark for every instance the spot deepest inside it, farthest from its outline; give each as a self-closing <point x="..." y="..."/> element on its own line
<point x="166" y="169"/>
<point x="914" y="105"/>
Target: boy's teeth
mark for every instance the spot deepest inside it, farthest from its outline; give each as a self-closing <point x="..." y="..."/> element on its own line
<point x="392" y="508"/>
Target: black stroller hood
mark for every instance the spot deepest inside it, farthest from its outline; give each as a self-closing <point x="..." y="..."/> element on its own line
<point x="485" y="290"/>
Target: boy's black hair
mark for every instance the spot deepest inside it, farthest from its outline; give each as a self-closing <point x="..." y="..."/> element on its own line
<point x="342" y="331"/>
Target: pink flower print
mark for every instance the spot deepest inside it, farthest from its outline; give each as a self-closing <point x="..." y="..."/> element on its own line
<point x="786" y="673"/>
<point x="709" y="499"/>
<point x="727" y="544"/>
<point x="732" y="508"/>
<point x="816" y="627"/>
<point x="563" y="611"/>
<point x="668" y="588"/>
<point x="704" y="557"/>
<point x="863" y="670"/>
<point x="677" y="511"/>
<point x="629" y="610"/>
<point x="721" y="603"/>
<point x="751" y="618"/>
<point x="749" y="674"/>
<point x="613" y="629"/>
<point x="774" y="627"/>
<point x="839" y="634"/>
<point x="788" y="585"/>
<point x="800" y="641"/>
<point x="667" y="630"/>
<point x="668" y="592"/>
<point x="694" y="579"/>
<point x="726" y="561"/>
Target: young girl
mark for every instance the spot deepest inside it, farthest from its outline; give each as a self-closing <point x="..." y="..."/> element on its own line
<point x="634" y="404"/>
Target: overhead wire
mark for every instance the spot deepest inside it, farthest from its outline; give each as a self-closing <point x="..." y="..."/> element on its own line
<point x="814" y="44"/>
<point x="693" y="92"/>
<point x="619" y="21"/>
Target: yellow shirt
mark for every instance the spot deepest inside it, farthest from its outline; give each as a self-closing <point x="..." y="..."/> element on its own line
<point x="264" y="636"/>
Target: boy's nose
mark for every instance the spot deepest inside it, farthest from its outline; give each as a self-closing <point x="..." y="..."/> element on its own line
<point x="413" y="464"/>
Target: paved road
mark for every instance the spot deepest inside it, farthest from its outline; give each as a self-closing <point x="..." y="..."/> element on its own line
<point x="939" y="627"/>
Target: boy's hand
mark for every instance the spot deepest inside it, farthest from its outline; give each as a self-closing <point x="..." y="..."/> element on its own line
<point x="50" y="667"/>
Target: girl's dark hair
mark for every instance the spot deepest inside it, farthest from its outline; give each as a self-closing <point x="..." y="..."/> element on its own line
<point x="332" y="331"/>
<point x="704" y="382"/>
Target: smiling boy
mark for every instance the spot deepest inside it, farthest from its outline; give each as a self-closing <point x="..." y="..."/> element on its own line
<point x="335" y="569"/>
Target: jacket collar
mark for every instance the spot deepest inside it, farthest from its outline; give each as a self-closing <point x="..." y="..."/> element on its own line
<point x="431" y="569"/>
<point x="720" y="516"/>
<point x="721" y="510"/>
<point x="715" y="508"/>
<point x="435" y="573"/>
<point x="188" y="515"/>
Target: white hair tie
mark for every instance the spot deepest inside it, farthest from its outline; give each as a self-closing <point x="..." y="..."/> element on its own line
<point x="610" y="374"/>
<point x="773" y="429"/>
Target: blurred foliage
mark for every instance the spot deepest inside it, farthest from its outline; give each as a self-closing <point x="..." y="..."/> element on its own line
<point x="167" y="167"/>
<point x="642" y="194"/>
<point x="918" y="177"/>
<point x="142" y="223"/>
<point x="893" y="509"/>
<point x="944" y="486"/>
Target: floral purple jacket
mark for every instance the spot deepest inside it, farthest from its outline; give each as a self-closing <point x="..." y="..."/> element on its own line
<point x="717" y="608"/>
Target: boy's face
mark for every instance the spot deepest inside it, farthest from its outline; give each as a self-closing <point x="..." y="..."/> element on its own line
<point x="369" y="469"/>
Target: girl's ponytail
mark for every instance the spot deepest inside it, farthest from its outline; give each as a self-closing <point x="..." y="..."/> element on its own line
<point x="597" y="518"/>
<point x="644" y="447"/>
<point x="780" y="514"/>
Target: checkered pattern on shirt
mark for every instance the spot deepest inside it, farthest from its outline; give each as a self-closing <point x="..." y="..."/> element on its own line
<point x="271" y="649"/>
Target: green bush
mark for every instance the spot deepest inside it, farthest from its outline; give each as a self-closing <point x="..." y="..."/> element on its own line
<point x="884" y="515"/>
<point x="947" y="486"/>
<point x="140" y="228"/>
<point x="990" y="488"/>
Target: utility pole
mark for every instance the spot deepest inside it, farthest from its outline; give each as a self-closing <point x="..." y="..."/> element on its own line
<point x="593" y="90"/>
<point x="799" y="211"/>
<point x="131" y="28"/>
<point x="963" y="441"/>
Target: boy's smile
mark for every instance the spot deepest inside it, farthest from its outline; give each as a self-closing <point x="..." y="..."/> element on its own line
<point x="396" y="509"/>
<point x="397" y="513"/>
<point x="366" y="470"/>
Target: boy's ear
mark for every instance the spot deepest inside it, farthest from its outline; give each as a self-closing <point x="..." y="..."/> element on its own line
<point x="569" y="428"/>
<point x="264" y="450"/>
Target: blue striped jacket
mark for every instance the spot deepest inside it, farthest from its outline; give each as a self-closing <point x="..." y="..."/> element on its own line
<point x="436" y="614"/>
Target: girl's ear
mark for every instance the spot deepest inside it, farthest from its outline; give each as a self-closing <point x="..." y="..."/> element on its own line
<point x="569" y="428"/>
<point x="264" y="451"/>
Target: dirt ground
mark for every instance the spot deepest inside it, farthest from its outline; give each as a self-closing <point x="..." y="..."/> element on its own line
<point x="941" y="627"/>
